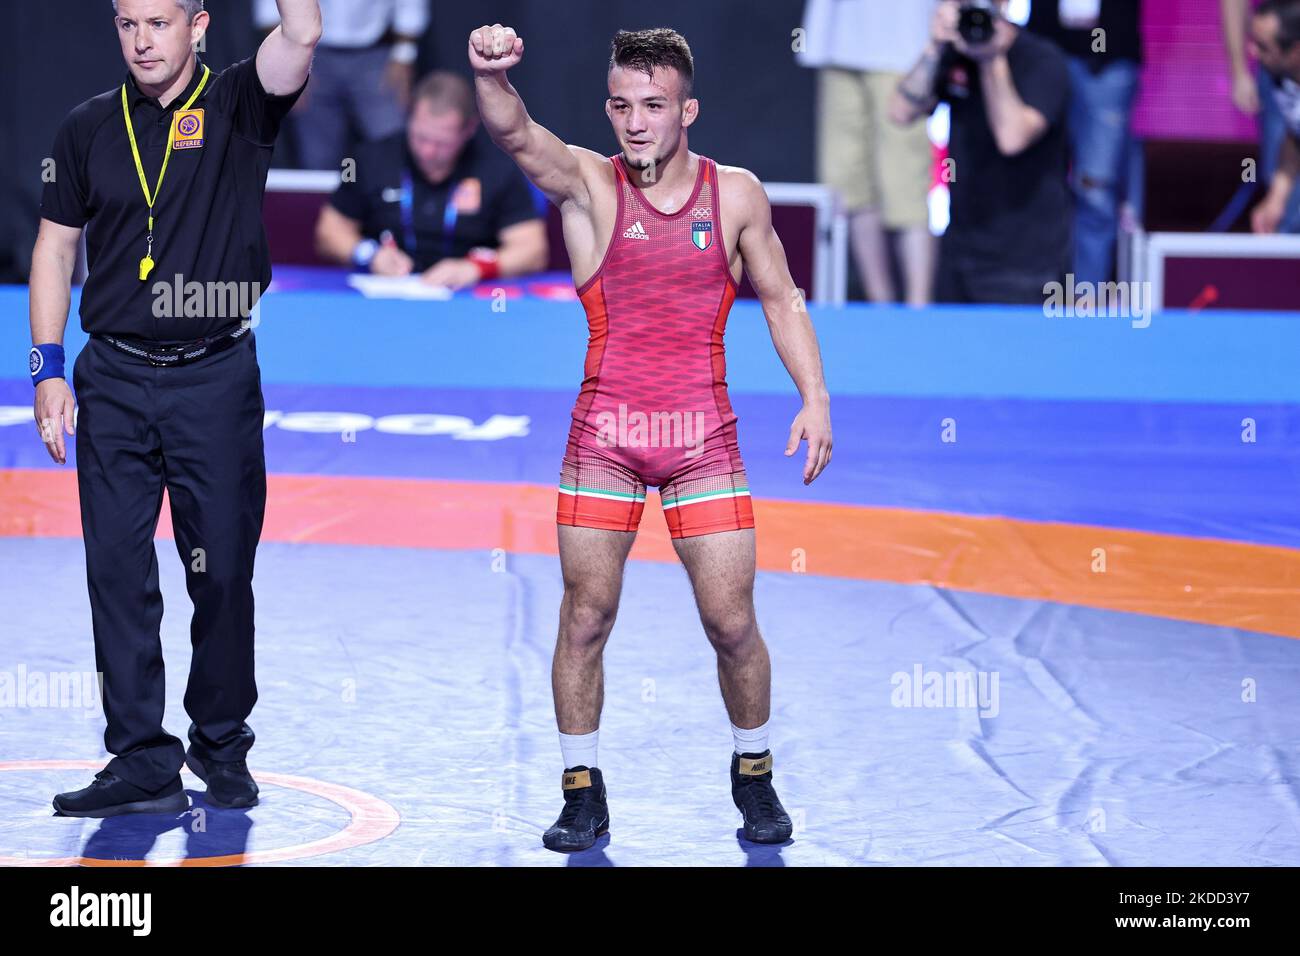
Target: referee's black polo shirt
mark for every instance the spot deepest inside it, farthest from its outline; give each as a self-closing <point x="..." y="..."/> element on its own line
<point x="208" y="216"/>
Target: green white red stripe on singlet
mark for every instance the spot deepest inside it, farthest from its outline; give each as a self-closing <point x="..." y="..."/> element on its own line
<point x="597" y="493"/>
<point x="706" y="496"/>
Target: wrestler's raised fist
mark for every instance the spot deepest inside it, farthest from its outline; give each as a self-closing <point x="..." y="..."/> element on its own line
<point x="494" y="49"/>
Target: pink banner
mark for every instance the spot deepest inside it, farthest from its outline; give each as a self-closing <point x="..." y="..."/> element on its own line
<point x="1186" y="86"/>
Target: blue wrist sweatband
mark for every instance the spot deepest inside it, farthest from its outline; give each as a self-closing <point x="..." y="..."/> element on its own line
<point x="364" y="253"/>
<point x="45" y="361"/>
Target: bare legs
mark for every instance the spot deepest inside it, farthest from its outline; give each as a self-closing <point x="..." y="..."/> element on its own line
<point x="721" y="570"/>
<point x="591" y="562"/>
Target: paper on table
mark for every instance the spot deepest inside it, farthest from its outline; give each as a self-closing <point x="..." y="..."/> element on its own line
<point x="397" y="287"/>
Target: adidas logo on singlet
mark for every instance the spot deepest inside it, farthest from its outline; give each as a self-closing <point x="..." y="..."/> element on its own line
<point x="636" y="232"/>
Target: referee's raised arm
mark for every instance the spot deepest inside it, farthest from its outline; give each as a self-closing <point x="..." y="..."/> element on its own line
<point x="284" y="59"/>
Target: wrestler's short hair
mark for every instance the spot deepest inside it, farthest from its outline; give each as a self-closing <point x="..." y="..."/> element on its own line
<point x="646" y="49"/>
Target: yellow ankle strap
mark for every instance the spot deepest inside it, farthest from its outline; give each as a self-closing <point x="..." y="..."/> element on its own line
<point x="755" y="766"/>
<point x="577" y="779"/>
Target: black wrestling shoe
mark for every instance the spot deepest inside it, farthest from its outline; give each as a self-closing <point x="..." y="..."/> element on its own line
<point x="585" y="815"/>
<point x="751" y="788"/>
<point x="109" y="796"/>
<point x="230" y="785"/>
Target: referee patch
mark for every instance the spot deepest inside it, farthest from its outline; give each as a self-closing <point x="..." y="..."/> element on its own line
<point x="189" y="129"/>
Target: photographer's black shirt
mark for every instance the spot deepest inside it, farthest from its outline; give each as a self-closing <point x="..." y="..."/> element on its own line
<point x="1009" y="211"/>
<point x="208" y="215"/>
<point x="1120" y="23"/>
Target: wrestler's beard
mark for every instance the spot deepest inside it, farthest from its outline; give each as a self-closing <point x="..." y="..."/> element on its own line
<point x="645" y="169"/>
<point x="638" y="161"/>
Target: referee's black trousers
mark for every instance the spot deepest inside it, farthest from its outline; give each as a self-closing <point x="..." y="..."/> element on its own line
<point x="195" y="430"/>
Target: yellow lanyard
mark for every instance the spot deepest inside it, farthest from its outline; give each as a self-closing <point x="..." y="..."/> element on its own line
<point x="146" y="264"/>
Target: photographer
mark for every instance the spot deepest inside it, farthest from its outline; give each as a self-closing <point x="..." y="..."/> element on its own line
<point x="1102" y="43"/>
<point x="1008" y="93"/>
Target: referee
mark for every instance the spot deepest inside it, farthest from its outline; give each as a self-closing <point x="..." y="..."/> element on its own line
<point x="166" y="173"/>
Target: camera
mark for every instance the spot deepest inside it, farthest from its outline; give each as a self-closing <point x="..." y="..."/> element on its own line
<point x="975" y="21"/>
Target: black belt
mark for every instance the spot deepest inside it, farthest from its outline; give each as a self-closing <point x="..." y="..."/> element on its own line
<point x="163" y="356"/>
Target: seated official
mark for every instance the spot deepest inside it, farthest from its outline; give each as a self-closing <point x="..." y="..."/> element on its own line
<point x="435" y="200"/>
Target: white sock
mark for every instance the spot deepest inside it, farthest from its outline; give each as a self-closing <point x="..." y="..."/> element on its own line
<point x="750" y="741"/>
<point x="579" y="750"/>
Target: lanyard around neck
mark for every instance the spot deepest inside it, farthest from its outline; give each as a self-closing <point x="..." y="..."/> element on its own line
<point x="146" y="264"/>
<point x="449" y="215"/>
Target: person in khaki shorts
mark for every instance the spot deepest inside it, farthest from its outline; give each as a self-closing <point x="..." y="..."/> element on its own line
<point x="882" y="171"/>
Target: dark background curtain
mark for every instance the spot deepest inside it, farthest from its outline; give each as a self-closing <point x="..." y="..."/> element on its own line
<point x="756" y="103"/>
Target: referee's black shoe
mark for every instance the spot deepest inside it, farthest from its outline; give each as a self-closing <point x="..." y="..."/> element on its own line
<point x="586" y="813"/>
<point x="751" y="788"/>
<point x="109" y="796"/>
<point x="230" y="785"/>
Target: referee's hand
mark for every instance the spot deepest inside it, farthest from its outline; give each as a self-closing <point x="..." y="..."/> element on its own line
<point x="54" y="410"/>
